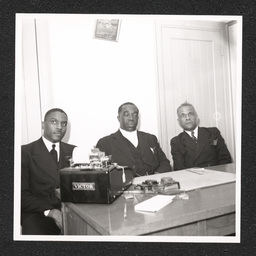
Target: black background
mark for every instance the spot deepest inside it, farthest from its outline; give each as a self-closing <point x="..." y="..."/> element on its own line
<point x="176" y="7"/>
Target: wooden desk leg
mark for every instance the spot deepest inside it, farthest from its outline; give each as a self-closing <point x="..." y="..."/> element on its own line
<point x="64" y="219"/>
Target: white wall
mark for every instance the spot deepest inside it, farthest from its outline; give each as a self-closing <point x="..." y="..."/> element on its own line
<point x="92" y="77"/>
<point x="89" y="78"/>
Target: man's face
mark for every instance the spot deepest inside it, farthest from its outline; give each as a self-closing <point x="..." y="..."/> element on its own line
<point x="187" y="118"/>
<point x="55" y="126"/>
<point x="128" y="118"/>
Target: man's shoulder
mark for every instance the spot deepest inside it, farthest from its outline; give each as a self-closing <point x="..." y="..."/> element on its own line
<point x="209" y="129"/>
<point x="38" y="143"/>
<point x="178" y="137"/>
<point x="146" y="134"/>
<point x="31" y="144"/>
<point x="110" y="136"/>
<point x="67" y="145"/>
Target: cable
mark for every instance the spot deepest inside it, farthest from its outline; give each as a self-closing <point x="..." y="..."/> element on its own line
<point x="121" y="167"/>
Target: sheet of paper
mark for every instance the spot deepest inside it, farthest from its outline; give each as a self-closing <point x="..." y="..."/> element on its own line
<point x="154" y="204"/>
<point x="200" y="171"/>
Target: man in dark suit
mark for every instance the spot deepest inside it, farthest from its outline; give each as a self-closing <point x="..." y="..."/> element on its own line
<point x="197" y="146"/>
<point x="129" y="147"/>
<point x="41" y="162"/>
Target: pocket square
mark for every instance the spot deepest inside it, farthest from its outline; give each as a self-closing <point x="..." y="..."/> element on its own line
<point x="214" y="142"/>
<point x="153" y="150"/>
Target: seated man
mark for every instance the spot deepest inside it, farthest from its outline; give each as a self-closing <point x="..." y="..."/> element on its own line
<point x="197" y="146"/>
<point x="129" y="147"/>
<point x="41" y="162"/>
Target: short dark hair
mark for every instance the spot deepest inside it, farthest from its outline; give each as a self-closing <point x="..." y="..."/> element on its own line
<point x="185" y="104"/>
<point x="126" y="103"/>
<point x="54" y="110"/>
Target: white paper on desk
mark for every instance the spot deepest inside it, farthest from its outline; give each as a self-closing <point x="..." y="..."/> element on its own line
<point x="200" y="171"/>
<point x="154" y="204"/>
<point x="190" y="180"/>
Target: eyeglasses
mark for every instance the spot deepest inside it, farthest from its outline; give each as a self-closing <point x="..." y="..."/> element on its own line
<point x="56" y="123"/>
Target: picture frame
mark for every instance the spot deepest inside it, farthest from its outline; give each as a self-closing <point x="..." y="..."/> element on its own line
<point x="107" y="29"/>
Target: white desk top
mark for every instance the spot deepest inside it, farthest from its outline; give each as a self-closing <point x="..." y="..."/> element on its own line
<point x="190" y="180"/>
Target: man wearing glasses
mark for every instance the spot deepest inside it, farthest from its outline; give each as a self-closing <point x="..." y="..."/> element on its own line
<point x="41" y="162"/>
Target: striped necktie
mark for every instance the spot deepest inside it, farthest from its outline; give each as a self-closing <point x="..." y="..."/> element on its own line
<point x="193" y="136"/>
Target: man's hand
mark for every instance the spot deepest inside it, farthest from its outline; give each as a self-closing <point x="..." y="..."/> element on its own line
<point x="57" y="216"/>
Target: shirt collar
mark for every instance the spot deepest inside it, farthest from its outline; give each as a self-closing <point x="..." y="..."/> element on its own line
<point x="49" y="144"/>
<point x="131" y="136"/>
<point x="195" y="132"/>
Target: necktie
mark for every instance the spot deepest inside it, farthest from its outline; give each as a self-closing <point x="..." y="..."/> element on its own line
<point x="53" y="153"/>
<point x="194" y="137"/>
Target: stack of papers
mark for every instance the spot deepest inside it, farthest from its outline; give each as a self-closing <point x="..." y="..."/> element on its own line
<point x="154" y="204"/>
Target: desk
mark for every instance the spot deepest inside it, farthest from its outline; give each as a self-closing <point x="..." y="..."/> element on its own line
<point x="210" y="211"/>
<point x="231" y="168"/>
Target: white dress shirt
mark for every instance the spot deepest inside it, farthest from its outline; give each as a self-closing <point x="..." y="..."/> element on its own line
<point x="195" y="132"/>
<point x="131" y="136"/>
<point x="49" y="144"/>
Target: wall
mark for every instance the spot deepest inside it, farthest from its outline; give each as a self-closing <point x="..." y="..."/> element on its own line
<point x="87" y="77"/>
<point x="194" y="66"/>
<point x="90" y="77"/>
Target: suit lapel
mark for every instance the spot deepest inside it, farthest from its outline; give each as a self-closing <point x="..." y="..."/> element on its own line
<point x="64" y="156"/>
<point x="188" y="142"/>
<point x="121" y="144"/>
<point x="42" y="157"/>
<point x="202" y="141"/>
<point x="143" y="143"/>
<point x="145" y="148"/>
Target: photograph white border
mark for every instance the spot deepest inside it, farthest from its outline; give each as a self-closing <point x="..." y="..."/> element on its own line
<point x="17" y="153"/>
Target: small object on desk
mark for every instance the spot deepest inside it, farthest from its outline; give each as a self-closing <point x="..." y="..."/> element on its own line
<point x="133" y="192"/>
<point x="199" y="171"/>
<point x="125" y="212"/>
<point x="184" y="196"/>
<point x="154" y="204"/>
<point x="169" y="192"/>
<point x="166" y="186"/>
<point x="150" y="182"/>
<point x="128" y="196"/>
<point x="166" y="180"/>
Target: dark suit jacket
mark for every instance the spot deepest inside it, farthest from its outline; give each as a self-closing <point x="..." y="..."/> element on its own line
<point x="210" y="149"/>
<point x="116" y="145"/>
<point x="40" y="177"/>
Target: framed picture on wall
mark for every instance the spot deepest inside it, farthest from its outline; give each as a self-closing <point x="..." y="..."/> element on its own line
<point x="107" y="29"/>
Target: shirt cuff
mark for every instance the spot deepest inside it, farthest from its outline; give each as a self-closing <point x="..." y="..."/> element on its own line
<point x="46" y="213"/>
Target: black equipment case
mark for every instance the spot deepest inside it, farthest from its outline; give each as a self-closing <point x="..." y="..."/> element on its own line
<point x="101" y="185"/>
